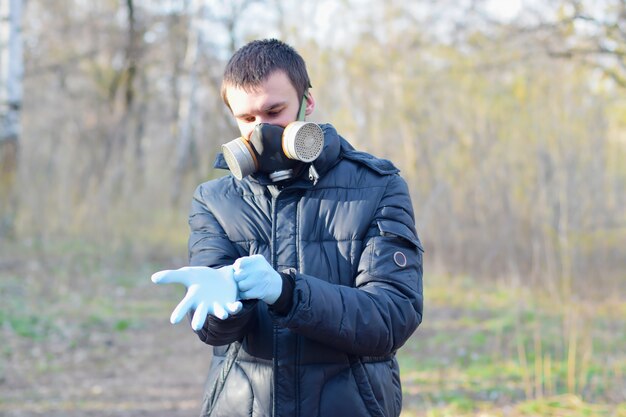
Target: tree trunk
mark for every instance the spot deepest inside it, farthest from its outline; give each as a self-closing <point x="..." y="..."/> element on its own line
<point x="11" y="74"/>
<point x="187" y="104"/>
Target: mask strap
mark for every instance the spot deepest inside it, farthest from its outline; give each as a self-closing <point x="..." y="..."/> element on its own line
<point x="302" y="112"/>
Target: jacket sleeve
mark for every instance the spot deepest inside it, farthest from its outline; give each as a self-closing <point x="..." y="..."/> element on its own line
<point x="383" y="309"/>
<point x="209" y="246"/>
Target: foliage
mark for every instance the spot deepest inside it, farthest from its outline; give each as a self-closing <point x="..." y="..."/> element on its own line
<point x="511" y="134"/>
<point x="513" y="153"/>
<point x="491" y="351"/>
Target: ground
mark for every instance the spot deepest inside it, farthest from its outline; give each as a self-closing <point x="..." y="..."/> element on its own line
<point x="155" y="369"/>
<point x="85" y="333"/>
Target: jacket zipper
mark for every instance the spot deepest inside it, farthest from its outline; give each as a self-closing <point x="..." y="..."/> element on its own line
<point x="275" y="327"/>
<point x="297" y="364"/>
<point x="275" y="330"/>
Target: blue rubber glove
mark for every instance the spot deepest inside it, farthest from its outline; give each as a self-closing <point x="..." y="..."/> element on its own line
<point x="256" y="278"/>
<point x="209" y="291"/>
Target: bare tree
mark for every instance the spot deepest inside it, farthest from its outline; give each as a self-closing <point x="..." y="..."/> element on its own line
<point x="188" y="101"/>
<point x="189" y="82"/>
<point x="11" y="73"/>
<point x="601" y="36"/>
<point x="591" y="32"/>
<point x="124" y="82"/>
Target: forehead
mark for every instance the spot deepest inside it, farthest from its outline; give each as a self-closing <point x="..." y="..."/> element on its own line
<point x="274" y="89"/>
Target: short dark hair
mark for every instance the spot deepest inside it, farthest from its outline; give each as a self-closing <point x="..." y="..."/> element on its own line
<point x="254" y="62"/>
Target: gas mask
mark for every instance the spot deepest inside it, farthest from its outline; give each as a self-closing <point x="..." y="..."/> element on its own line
<point x="274" y="150"/>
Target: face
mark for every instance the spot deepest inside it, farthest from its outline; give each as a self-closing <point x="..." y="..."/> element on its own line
<point x="275" y="101"/>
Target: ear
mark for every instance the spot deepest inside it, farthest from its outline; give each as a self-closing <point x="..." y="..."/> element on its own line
<point x="310" y="103"/>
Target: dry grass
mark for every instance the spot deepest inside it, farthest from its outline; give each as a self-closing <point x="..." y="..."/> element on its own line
<point x="84" y="332"/>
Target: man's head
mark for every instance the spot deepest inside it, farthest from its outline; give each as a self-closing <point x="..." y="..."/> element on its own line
<point x="265" y="82"/>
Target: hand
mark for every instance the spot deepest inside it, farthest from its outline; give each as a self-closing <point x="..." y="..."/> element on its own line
<point x="209" y="291"/>
<point x="257" y="279"/>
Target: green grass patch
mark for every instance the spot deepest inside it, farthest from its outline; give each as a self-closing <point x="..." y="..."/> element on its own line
<point x="483" y="348"/>
<point x="564" y="405"/>
<point x="482" y="345"/>
<point x="19" y="314"/>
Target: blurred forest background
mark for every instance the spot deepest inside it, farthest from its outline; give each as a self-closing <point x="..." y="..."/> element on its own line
<point x="507" y="118"/>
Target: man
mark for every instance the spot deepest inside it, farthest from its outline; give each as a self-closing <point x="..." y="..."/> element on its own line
<point x="310" y="272"/>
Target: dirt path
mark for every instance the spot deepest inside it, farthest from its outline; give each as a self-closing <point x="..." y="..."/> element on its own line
<point x="157" y="370"/>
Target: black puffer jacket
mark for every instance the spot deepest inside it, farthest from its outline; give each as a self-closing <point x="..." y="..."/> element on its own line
<point x="350" y="243"/>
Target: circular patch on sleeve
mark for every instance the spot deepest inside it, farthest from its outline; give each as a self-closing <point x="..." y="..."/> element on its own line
<point x="400" y="259"/>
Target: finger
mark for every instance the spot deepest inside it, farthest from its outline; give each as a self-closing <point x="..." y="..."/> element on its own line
<point x="234" y="308"/>
<point x="237" y="265"/>
<point x="239" y="275"/>
<point x="250" y="295"/>
<point x="246" y="261"/>
<point x="199" y="317"/>
<point x="180" y="276"/>
<point x="219" y="312"/>
<point x="158" y="276"/>
<point x="186" y="304"/>
<point x="245" y="284"/>
<point x="243" y="273"/>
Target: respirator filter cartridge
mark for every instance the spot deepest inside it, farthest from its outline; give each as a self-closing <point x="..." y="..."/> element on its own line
<point x="272" y="149"/>
<point x="303" y="141"/>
